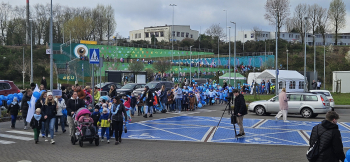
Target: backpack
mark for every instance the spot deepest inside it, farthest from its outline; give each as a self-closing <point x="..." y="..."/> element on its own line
<point x="314" y="151"/>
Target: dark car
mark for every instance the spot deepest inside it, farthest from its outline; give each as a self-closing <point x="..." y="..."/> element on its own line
<point x="155" y="86"/>
<point x="106" y="86"/>
<point x="8" y="87"/>
<point x="129" y="88"/>
<point x="200" y="81"/>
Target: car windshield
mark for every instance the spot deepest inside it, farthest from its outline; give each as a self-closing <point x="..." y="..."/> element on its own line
<point x="151" y="85"/>
<point x="128" y="86"/>
<point x="100" y="85"/>
<point x="325" y="93"/>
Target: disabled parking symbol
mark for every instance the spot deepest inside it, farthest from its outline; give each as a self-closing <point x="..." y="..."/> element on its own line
<point x="143" y="136"/>
<point x="262" y="141"/>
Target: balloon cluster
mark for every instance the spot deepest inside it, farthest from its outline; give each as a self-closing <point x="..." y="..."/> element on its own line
<point x="9" y="98"/>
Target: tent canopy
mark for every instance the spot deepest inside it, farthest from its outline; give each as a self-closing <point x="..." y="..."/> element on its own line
<point x="283" y="75"/>
<point x="227" y="76"/>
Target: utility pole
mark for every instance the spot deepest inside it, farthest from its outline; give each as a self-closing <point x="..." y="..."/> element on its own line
<point x="229" y="53"/>
<point x="51" y="53"/>
<point x="277" y="83"/>
<point x="172" y="35"/>
<point x="305" y="80"/>
<point x="23" y="68"/>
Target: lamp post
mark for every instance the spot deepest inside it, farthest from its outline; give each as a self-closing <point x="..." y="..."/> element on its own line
<point x="324" y="67"/>
<point x="218" y="48"/>
<point x="277" y="83"/>
<point x="190" y="61"/>
<point x="305" y="79"/>
<point x="234" y="57"/>
<point x="51" y="51"/>
<point x="287" y="59"/>
<point x="198" y="64"/>
<point x="314" y="56"/>
<point x="229" y="53"/>
<point x="31" y="52"/>
<point x="226" y="23"/>
<point x="172" y="35"/>
<point x="23" y="68"/>
<point x="265" y="52"/>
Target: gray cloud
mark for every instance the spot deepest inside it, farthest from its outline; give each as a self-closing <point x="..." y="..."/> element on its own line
<point x="136" y="14"/>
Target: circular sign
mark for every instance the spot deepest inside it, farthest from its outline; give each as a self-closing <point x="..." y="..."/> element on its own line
<point x="80" y="50"/>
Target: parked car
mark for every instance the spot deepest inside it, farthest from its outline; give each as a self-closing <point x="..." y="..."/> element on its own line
<point x="327" y="94"/>
<point x="309" y="105"/>
<point x="200" y="81"/>
<point x="129" y="88"/>
<point x="8" y="87"/>
<point x="106" y="86"/>
<point x="155" y="86"/>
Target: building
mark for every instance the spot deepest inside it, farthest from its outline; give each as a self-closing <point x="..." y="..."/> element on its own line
<point x="180" y="32"/>
<point x="243" y="36"/>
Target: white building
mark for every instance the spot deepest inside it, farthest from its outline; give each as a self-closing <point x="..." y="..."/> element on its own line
<point x="180" y="32"/>
<point x="243" y="36"/>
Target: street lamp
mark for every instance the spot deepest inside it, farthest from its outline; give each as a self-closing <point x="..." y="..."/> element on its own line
<point x="277" y="83"/>
<point x="287" y="59"/>
<point x="31" y="51"/>
<point x="229" y="53"/>
<point x="190" y="61"/>
<point x="218" y="48"/>
<point x="234" y="57"/>
<point x="324" y="67"/>
<point x="305" y="79"/>
<point x="51" y="55"/>
<point x="172" y="35"/>
<point x="314" y="56"/>
<point x="226" y="23"/>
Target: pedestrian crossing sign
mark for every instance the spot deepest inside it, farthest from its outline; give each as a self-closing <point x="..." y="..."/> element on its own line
<point x="94" y="56"/>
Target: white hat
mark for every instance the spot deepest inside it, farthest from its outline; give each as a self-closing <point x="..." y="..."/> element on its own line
<point x="49" y="93"/>
<point x="105" y="110"/>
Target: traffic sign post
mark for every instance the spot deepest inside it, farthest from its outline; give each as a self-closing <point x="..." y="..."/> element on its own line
<point x="48" y="51"/>
<point x="94" y="59"/>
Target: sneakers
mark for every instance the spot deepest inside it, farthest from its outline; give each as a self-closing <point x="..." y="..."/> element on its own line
<point x="36" y="142"/>
<point x="150" y="116"/>
<point x="145" y="116"/>
<point x="240" y="135"/>
<point x="52" y="141"/>
<point x="46" y="140"/>
<point x="25" y="127"/>
<point x="64" y="131"/>
<point x="108" y="141"/>
<point x="116" y="142"/>
<point x="102" y="140"/>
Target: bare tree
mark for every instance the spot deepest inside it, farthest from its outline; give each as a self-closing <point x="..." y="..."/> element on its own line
<point x="5" y="10"/>
<point x="297" y="22"/>
<point x="336" y="14"/>
<point x="215" y="31"/>
<point x="312" y="14"/>
<point x="277" y="9"/>
<point x="322" y="25"/>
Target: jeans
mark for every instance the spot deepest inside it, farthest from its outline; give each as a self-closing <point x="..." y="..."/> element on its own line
<point x="132" y="110"/>
<point x="49" y="126"/>
<point x="13" y="120"/>
<point x="105" y="130"/>
<point x="163" y="105"/>
<point x="71" y="125"/>
<point x="43" y="129"/>
<point x="148" y="109"/>
<point x="25" y="121"/>
<point x="178" y="104"/>
<point x="62" y="119"/>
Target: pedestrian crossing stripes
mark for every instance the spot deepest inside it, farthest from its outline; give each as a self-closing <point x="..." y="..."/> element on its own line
<point x="21" y="132"/>
<point x="6" y="142"/>
<point x="15" y="137"/>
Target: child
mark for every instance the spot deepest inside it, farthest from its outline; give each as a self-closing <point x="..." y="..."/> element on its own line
<point x="221" y="94"/>
<point x="103" y="122"/>
<point x="211" y="96"/>
<point x="127" y="105"/>
<point x="90" y="107"/>
<point x="13" y="110"/>
<point x="217" y="93"/>
<point x="85" y="118"/>
<point x="170" y="97"/>
<point x="96" y="116"/>
<point x="36" y="124"/>
<point x="185" y="102"/>
<point x="133" y="103"/>
<point x="192" y="100"/>
<point x="198" y="97"/>
<point x="140" y="105"/>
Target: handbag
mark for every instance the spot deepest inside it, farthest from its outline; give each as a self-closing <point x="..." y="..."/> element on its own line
<point x="233" y="119"/>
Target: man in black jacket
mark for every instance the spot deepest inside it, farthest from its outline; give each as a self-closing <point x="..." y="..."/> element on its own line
<point x="240" y="110"/>
<point x="73" y="105"/>
<point x="43" y="82"/>
<point x="149" y="101"/>
<point x="25" y="106"/>
<point x="330" y="146"/>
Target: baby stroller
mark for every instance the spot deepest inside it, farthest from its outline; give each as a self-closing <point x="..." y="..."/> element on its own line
<point x="84" y="131"/>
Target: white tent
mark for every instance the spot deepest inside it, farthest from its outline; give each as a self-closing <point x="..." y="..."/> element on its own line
<point x="253" y="76"/>
<point x="292" y="80"/>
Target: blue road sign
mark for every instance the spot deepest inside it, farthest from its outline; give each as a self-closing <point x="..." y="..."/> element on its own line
<point x="94" y="56"/>
<point x="278" y="72"/>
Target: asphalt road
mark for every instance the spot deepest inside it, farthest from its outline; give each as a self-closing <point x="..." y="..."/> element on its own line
<point x="147" y="150"/>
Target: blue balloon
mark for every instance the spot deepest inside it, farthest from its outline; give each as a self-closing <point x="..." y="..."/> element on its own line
<point x="199" y="105"/>
<point x="212" y="101"/>
<point x="5" y="98"/>
<point x="2" y="97"/>
<point x="347" y="155"/>
<point x="9" y="102"/>
<point x="203" y="102"/>
<point x="36" y="94"/>
<point x="42" y="91"/>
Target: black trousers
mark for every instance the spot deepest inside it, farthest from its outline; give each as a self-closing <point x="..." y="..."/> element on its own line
<point x="117" y="128"/>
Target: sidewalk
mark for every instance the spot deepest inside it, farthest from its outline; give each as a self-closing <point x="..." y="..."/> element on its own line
<point x="342" y="106"/>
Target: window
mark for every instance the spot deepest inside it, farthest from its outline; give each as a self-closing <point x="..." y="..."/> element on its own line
<point x="173" y="33"/>
<point x="292" y="85"/>
<point x="310" y="98"/>
<point x="245" y="35"/>
<point x="139" y="35"/>
<point x="191" y="35"/>
<point x="295" y="97"/>
<point x="178" y="34"/>
<point x="161" y="34"/>
<point x="267" y="35"/>
<point x="252" y="35"/>
<point x="135" y="36"/>
<point x="275" y="99"/>
<point x="283" y="35"/>
<point x="182" y="34"/>
<point x="280" y="84"/>
<point x="152" y="34"/>
<point x="301" y="85"/>
<point x="157" y="34"/>
<point x="187" y="35"/>
<point x="147" y="35"/>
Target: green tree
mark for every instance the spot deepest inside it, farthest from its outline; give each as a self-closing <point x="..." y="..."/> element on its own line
<point x="136" y="66"/>
<point x="149" y="74"/>
<point x="162" y="65"/>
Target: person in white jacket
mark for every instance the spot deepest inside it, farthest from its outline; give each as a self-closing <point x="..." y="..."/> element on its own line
<point x="61" y="106"/>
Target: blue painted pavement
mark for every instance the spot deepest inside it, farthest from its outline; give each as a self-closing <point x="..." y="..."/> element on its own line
<point x="203" y="129"/>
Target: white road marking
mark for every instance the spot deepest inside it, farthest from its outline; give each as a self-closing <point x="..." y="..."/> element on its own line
<point x="6" y="142"/>
<point x="206" y="134"/>
<point x="16" y="137"/>
<point x="21" y="132"/>
<point x="301" y="133"/>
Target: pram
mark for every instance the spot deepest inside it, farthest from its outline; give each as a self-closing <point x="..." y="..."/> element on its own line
<point x="84" y="131"/>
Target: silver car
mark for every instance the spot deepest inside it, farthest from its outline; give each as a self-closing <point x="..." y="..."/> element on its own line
<point x="309" y="105"/>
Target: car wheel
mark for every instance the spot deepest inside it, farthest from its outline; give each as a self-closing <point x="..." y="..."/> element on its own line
<point x="260" y="110"/>
<point x="306" y="113"/>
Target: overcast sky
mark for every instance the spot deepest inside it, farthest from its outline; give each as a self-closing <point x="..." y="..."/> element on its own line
<point x="199" y="14"/>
